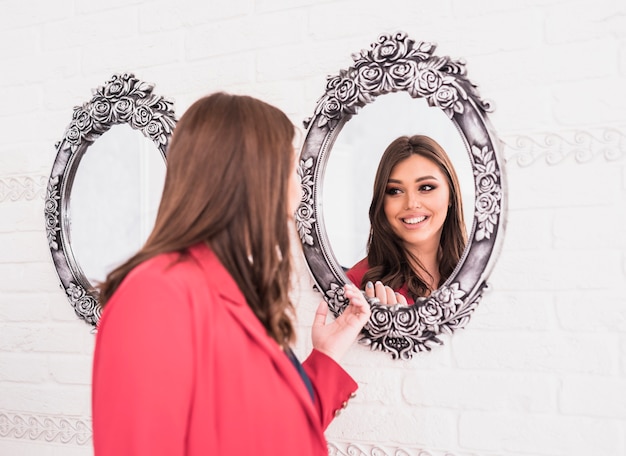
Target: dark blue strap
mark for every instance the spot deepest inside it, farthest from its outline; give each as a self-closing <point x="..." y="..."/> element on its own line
<point x="300" y="369"/>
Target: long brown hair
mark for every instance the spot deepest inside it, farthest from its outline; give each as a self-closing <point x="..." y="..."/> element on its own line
<point x="388" y="259"/>
<point x="228" y="168"/>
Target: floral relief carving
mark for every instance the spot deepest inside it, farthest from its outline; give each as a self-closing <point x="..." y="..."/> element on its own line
<point x="124" y="99"/>
<point x="304" y="214"/>
<point x="336" y="298"/>
<point x="85" y="304"/>
<point x="488" y="192"/>
<point x="51" y="212"/>
<point x="396" y="63"/>
<point x="405" y="330"/>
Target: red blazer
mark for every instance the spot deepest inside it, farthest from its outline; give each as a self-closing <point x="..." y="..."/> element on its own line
<point x="182" y="366"/>
<point x="356" y="273"/>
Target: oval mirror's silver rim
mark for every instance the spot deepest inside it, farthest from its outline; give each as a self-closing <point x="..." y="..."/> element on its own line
<point x="397" y="63"/>
<point x="123" y="99"/>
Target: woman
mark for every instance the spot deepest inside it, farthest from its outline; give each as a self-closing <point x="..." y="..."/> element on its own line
<point x="193" y="353"/>
<point x="417" y="231"/>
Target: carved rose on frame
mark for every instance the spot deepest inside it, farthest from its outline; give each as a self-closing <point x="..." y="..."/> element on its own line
<point x="304" y="214"/>
<point x="396" y="63"/>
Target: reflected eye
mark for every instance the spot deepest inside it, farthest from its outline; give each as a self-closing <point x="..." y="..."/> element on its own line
<point x="393" y="191"/>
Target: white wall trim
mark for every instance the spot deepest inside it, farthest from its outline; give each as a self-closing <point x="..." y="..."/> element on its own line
<point x="78" y="431"/>
<point x="22" y="188"/>
<point x="582" y="146"/>
<point x="47" y="428"/>
<point x="367" y="449"/>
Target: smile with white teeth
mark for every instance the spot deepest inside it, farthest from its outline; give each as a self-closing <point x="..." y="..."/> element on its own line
<point x="414" y="220"/>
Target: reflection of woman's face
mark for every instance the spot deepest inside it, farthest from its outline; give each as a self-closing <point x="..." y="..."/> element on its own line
<point x="416" y="202"/>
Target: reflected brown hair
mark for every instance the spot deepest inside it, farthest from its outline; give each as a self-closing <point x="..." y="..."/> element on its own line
<point x="387" y="257"/>
<point x="228" y="169"/>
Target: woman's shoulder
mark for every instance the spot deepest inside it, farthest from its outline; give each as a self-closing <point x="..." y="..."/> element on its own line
<point x="362" y="265"/>
<point x="356" y="272"/>
<point x="177" y="265"/>
<point x="161" y="265"/>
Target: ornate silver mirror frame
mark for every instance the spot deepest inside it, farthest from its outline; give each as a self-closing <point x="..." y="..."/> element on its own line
<point x="123" y="99"/>
<point x="396" y="63"/>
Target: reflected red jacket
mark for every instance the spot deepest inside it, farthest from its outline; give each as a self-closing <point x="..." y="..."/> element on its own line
<point x="182" y="366"/>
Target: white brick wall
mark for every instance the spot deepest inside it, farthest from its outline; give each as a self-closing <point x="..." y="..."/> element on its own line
<point x="540" y="369"/>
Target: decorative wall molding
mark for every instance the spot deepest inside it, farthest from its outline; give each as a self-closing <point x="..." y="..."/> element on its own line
<point x="365" y="449"/>
<point x="582" y="146"/>
<point x="46" y="428"/>
<point x="28" y="188"/>
<point x="78" y="431"/>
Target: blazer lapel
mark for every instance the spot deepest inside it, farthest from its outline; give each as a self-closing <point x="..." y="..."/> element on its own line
<point x="239" y="309"/>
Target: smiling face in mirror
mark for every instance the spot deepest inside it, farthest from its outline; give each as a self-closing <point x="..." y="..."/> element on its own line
<point x="417" y="232"/>
<point x="416" y="203"/>
<point x="356" y="154"/>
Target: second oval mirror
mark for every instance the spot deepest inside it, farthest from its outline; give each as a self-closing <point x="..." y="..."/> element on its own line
<point x="109" y="162"/>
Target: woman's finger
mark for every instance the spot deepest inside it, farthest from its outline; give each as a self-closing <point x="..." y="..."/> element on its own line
<point x="391" y="296"/>
<point x="381" y="293"/>
<point x="401" y="299"/>
<point x="320" y="314"/>
<point x="369" y="290"/>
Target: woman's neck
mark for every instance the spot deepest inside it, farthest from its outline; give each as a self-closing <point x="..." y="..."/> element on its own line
<point x="427" y="267"/>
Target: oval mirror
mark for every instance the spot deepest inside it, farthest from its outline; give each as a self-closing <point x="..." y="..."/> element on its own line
<point x="396" y="66"/>
<point x="123" y="101"/>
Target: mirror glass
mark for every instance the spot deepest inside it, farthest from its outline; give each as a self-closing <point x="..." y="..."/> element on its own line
<point x="351" y="168"/>
<point x="115" y="197"/>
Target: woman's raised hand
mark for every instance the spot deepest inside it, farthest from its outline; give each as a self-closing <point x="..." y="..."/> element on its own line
<point x="335" y="338"/>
